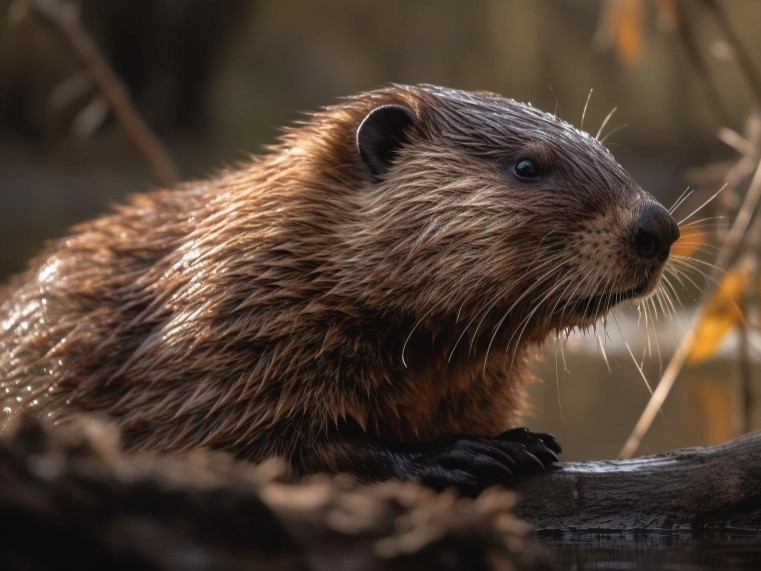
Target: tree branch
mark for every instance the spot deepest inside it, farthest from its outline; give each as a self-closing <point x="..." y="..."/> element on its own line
<point x="65" y="19"/>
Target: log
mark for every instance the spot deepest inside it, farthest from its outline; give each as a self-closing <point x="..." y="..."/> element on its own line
<point x="709" y="489"/>
<point x="89" y="505"/>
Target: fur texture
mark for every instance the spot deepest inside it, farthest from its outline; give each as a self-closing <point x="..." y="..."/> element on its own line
<point x="299" y="305"/>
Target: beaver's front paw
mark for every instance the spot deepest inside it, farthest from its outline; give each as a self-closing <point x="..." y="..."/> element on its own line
<point x="472" y="463"/>
<point x="542" y="445"/>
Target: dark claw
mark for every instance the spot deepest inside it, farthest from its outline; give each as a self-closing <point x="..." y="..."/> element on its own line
<point x="526" y="461"/>
<point x="549" y="441"/>
<point x="522" y="435"/>
<point x="472" y="463"/>
<point x="544" y="446"/>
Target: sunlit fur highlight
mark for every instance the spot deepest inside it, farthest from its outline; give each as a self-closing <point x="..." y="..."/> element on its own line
<point x="261" y="311"/>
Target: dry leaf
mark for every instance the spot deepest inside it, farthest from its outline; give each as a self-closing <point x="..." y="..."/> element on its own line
<point x="722" y="315"/>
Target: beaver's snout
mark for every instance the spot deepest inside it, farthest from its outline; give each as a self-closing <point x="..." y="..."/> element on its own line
<point x="654" y="232"/>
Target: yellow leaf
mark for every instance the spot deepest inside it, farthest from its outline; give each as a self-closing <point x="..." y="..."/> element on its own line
<point x="689" y="241"/>
<point x="722" y="314"/>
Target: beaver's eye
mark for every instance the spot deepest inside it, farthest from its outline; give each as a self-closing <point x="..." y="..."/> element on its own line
<point x="526" y="169"/>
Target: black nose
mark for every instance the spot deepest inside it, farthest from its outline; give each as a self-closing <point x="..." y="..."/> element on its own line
<point x="654" y="232"/>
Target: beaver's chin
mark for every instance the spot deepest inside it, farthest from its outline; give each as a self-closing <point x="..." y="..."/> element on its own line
<point x="586" y="310"/>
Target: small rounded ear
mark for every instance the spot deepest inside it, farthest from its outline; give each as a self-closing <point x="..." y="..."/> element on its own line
<point x="380" y="135"/>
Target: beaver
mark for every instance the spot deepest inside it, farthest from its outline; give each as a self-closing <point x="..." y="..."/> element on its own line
<point x="363" y="297"/>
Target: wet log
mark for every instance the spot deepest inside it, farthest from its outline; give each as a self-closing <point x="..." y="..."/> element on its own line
<point x="710" y="488"/>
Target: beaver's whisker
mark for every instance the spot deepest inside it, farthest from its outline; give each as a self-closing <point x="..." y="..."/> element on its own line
<point x="644" y="315"/>
<point x="584" y="111"/>
<point x="459" y="312"/>
<point x="613" y="132"/>
<point x="553" y="290"/>
<point x="634" y="359"/>
<point x="483" y="313"/>
<point x="602" y="347"/>
<point x="665" y="290"/>
<point x="407" y="340"/>
<point x="605" y="122"/>
<point x="579" y="283"/>
<point x="562" y="354"/>
<point x="549" y="261"/>
<point x="681" y="274"/>
<point x="459" y="338"/>
<point x="655" y="332"/>
<point x="681" y="263"/>
<point x="664" y="301"/>
<point x="595" y="285"/>
<point x="701" y="248"/>
<point x="600" y="299"/>
<point x="699" y="208"/>
<point x="647" y="306"/>
<point x="674" y="271"/>
<point x="557" y="376"/>
<point x="607" y="302"/>
<point x="491" y="340"/>
<point x="536" y="284"/>
<point x="659" y="301"/>
<point x="686" y="193"/>
<point x="556" y="263"/>
<point x="699" y="222"/>
<point x="564" y="297"/>
<point x="673" y="317"/>
<point x="710" y="278"/>
<point x="699" y="262"/>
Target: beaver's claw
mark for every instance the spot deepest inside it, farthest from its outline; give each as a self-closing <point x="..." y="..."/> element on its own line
<point x="472" y="463"/>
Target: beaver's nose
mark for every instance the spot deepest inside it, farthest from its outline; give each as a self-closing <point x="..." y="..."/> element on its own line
<point x="654" y="232"/>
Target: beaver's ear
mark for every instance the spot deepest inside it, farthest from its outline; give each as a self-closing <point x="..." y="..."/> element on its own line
<point x="380" y="135"/>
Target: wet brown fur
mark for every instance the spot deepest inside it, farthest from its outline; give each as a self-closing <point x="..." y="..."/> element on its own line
<point x="278" y="308"/>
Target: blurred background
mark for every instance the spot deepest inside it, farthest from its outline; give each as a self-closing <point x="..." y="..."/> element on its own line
<point x="216" y="80"/>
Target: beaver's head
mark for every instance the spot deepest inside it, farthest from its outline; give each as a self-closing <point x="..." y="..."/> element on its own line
<point x="479" y="209"/>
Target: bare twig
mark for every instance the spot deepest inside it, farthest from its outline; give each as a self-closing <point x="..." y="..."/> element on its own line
<point x="65" y="19"/>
